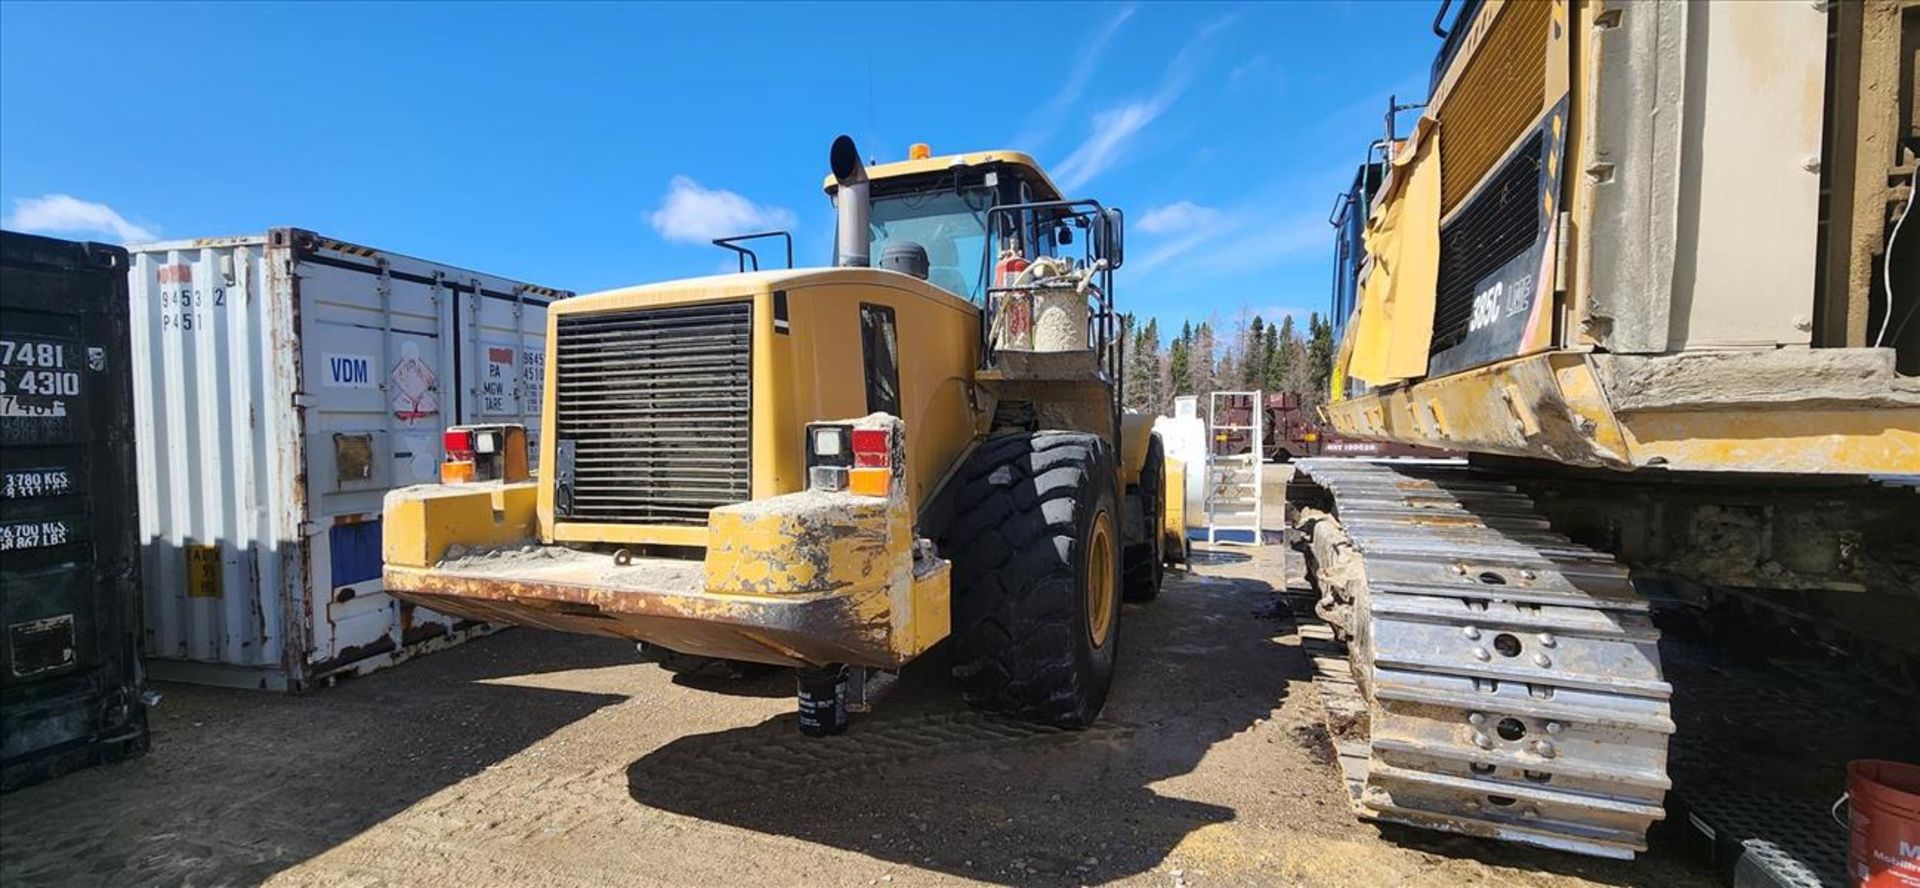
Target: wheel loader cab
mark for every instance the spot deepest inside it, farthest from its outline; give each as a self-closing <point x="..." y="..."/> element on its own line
<point x="941" y="206"/>
<point x="828" y="468"/>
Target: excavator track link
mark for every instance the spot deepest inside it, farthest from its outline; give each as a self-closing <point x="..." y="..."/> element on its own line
<point x="1500" y="679"/>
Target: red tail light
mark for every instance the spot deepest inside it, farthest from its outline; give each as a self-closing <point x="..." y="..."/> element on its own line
<point x="843" y="457"/>
<point x="872" y="448"/>
<point x="873" y="467"/>
<point x="459" y="443"/>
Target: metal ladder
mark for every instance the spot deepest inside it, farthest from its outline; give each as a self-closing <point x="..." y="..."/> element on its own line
<point x="1234" y="427"/>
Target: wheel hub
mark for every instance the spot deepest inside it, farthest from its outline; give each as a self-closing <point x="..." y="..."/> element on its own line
<point x="1100" y="578"/>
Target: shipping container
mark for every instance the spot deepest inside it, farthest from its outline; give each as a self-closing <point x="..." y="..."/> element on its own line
<point x="282" y="385"/>
<point x="71" y="693"/>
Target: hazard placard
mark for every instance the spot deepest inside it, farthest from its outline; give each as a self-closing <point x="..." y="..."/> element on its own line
<point x="203" y="572"/>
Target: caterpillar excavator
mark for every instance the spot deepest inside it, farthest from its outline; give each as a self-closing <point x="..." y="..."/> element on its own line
<point x="1644" y="263"/>
<point x="838" y="468"/>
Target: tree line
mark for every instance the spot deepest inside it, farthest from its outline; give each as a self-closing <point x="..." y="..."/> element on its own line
<point x="1255" y="354"/>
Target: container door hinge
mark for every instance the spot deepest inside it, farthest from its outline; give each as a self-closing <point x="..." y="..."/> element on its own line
<point x="302" y="399"/>
<point x="473" y="339"/>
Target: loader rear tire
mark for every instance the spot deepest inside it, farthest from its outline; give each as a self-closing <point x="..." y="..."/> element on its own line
<point x="1035" y="545"/>
<point x="1144" y="561"/>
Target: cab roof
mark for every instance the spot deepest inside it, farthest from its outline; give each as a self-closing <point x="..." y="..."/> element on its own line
<point x="903" y="168"/>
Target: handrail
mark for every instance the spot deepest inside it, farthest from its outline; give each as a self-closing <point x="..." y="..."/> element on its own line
<point x="1451" y="38"/>
<point x="732" y="243"/>
<point x="1102" y="319"/>
<point x="1439" y="17"/>
<point x="1341" y="202"/>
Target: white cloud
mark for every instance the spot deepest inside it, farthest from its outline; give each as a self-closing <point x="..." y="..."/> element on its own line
<point x="1115" y="127"/>
<point x="1223" y="243"/>
<point x="1045" y="120"/>
<point x="1190" y="230"/>
<point x="66" y="214"/>
<point x="1196" y="239"/>
<point x="692" y="213"/>
<point x="1261" y="245"/>
<point x="1111" y="130"/>
<point x="1181" y="216"/>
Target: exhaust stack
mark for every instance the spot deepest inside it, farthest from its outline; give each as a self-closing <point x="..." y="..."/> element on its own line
<point x="855" y="240"/>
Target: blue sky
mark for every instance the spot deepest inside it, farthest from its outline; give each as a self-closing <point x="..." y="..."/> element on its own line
<point x="599" y="145"/>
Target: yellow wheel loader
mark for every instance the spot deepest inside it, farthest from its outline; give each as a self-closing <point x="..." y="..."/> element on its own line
<point x="834" y="469"/>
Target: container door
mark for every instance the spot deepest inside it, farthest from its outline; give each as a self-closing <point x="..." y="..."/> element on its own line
<point x="69" y="667"/>
<point x="378" y="392"/>
<point x="215" y="355"/>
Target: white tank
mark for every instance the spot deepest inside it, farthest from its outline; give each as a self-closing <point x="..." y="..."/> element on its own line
<point x="1184" y="435"/>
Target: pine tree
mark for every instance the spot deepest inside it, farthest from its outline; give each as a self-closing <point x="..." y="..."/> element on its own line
<point x="1270" y="376"/>
<point x="1143" y="369"/>
<point x="1284" y="359"/>
<point x="1180" y="358"/>
<point x="1130" y="380"/>
<point x="1177" y="367"/>
<point x="1200" y="357"/>
<point x="1153" y="392"/>
<point x="1164" y="374"/>
<point x="1320" y="354"/>
<point x="1253" y="362"/>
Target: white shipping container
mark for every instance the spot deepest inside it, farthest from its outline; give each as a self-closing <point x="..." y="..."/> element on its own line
<point x="282" y="385"/>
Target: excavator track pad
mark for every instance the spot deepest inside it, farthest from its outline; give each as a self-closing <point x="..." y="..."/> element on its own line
<point x="1499" y="680"/>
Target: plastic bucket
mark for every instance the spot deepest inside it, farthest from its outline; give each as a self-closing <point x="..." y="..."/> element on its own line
<point x="1884" y="851"/>
<point x="1059" y="319"/>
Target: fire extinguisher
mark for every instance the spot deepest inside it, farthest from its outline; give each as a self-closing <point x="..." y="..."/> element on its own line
<point x="1008" y="269"/>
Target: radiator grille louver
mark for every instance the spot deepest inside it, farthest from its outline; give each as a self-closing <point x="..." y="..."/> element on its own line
<point x="657" y="405"/>
<point x="1501" y="221"/>
<point x="1502" y="90"/>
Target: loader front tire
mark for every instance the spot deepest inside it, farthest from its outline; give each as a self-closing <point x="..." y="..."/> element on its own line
<point x="1035" y="545"/>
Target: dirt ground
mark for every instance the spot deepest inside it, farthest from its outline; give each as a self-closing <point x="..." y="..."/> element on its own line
<point x="539" y="758"/>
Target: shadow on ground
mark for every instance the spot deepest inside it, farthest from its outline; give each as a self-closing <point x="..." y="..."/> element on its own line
<point x="300" y="774"/>
<point x="926" y="782"/>
<point x="1212" y="557"/>
<point x="778" y="683"/>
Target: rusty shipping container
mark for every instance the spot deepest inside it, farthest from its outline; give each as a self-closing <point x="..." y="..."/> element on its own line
<point x="282" y="385"/>
<point x="70" y="690"/>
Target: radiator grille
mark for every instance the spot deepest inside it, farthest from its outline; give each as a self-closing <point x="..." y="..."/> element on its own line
<point x="656" y="403"/>
<point x="1501" y="91"/>
<point x="1502" y="220"/>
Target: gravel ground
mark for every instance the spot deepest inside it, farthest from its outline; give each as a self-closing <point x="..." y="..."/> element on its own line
<point x="539" y="758"/>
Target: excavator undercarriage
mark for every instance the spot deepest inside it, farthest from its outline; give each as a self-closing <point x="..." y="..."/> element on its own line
<point x="1499" y="679"/>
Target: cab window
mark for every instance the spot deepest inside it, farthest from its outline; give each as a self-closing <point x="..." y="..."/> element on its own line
<point x="950" y="225"/>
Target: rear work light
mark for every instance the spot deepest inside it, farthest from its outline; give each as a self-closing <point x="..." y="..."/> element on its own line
<point x="857" y="459"/>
